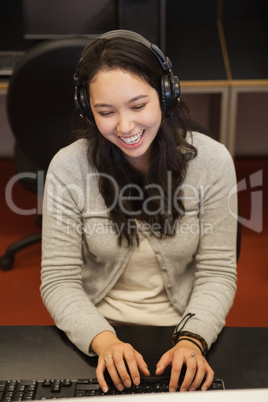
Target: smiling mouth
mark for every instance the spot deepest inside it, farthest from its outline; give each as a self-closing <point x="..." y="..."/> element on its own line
<point x="134" y="139"/>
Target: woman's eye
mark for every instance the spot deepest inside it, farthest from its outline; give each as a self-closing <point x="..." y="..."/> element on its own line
<point x="106" y="113"/>
<point x="139" y="107"/>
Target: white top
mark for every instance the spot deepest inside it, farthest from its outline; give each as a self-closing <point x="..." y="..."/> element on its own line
<point x="140" y="295"/>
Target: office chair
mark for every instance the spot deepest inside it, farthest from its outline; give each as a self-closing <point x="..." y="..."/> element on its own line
<point x="42" y="114"/>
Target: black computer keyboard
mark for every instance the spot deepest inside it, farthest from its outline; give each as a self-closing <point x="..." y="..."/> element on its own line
<point x="27" y="390"/>
<point x="8" y="60"/>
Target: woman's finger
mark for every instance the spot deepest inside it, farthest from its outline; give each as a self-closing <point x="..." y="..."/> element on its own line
<point x="191" y="369"/>
<point x="118" y="371"/>
<point x="133" y="368"/>
<point x="199" y="375"/>
<point x="128" y="366"/>
<point x="100" y="375"/>
<point x="177" y="365"/>
<point x="164" y="362"/>
<point x="209" y="379"/>
<point x="142" y="365"/>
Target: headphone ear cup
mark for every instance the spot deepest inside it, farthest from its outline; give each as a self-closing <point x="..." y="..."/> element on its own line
<point x="176" y="88"/>
<point x="82" y="104"/>
<point x="170" y="93"/>
<point x="81" y="101"/>
<point x="85" y="106"/>
<point x="166" y="95"/>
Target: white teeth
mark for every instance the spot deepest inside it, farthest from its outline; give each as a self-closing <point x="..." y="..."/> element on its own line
<point x="133" y="139"/>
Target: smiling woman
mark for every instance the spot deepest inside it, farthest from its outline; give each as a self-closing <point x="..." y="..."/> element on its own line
<point x="130" y="122"/>
<point x="143" y="229"/>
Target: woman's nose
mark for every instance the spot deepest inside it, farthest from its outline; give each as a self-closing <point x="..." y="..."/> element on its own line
<point x="125" y="124"/>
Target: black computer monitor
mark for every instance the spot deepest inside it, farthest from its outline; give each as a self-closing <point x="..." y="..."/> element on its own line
<point x="49" y="19"/>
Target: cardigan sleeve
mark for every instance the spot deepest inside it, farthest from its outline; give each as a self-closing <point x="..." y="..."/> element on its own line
<point x="62" y="258"/>
<point x="215" y="259"/>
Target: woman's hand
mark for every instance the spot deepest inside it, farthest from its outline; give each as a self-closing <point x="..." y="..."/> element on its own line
<point x="122" y="361"/>
<point x="197" y="368"/>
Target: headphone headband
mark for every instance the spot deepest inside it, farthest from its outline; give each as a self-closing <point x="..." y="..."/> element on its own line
<point x="170" y="86"/>
<point x="123" y="33"/>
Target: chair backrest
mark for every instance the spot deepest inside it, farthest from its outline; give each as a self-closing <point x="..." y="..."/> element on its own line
<point x="40" y="102"/>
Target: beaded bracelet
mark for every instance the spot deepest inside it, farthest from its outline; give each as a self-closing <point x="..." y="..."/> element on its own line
<point x="191" y="340"/>
<point x="191" y="335"/>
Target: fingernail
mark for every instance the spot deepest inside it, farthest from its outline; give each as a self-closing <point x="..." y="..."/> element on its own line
<point x="136" y="381"/>
<point x="204" y="389"/>
<point x="183" y="390"/>
<point x="104" y="389"/>
<point x="192" y="389"/>
<point x="120" y="387"/>
<point x="127" y="383"/>
<point x="172" y="390"/>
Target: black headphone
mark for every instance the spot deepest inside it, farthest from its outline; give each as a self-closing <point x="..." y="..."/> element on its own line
<point x="170" y="85"/>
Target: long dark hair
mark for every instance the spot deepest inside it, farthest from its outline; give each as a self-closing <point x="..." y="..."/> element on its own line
<point x="170" y="152"/>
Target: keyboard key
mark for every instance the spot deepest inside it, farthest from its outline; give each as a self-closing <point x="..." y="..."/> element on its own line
<point x="56" y="386"/>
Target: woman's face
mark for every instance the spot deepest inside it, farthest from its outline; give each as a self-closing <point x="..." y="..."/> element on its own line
<point x="127" y="112"/>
